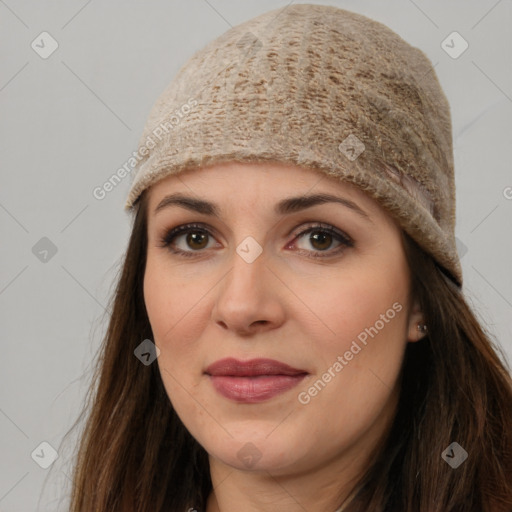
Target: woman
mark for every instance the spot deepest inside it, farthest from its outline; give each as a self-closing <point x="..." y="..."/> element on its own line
<point x="289" y="330"/>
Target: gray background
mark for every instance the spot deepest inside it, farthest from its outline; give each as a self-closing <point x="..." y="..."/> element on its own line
<point x="69" y="121"/>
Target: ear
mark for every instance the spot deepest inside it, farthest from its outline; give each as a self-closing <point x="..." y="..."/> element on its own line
<point x="415" y="317"/>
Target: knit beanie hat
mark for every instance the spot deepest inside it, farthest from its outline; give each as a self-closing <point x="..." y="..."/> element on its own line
<point x="320" y="87"/>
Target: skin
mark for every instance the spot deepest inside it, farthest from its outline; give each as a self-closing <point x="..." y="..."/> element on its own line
<point x="286" y="306"/>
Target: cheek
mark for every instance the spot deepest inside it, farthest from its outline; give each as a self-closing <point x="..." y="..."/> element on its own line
<point x="173" y="304"/>
<point x="364" y="323"/>
<point x="173" y="311"/>
<point x="177" y="315"/>
<point x="353" y="307"/>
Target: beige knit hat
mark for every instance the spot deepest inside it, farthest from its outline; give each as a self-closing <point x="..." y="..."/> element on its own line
<point x="320" y="87"/>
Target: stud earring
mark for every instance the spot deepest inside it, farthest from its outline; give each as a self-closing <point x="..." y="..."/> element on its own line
<point x="422" y="328"/>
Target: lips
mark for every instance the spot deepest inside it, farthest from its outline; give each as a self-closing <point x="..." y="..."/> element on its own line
<point x="231" y="367"/>
<point x="252" y="381"/>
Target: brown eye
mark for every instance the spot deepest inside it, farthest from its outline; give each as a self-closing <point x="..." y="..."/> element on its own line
<point x="187" y="240"/>
<point x="321" y="240"/>
<point x="197" y="240"/>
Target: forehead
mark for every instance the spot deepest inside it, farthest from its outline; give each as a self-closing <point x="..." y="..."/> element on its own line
<point x="263" y="183"/>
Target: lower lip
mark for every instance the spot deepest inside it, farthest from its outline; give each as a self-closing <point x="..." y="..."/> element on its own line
<point x="254" y="389"/>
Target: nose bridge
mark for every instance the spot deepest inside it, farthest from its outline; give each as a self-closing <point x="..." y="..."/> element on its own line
<point x="246" y="295"/>
<point x="248" y="269"/>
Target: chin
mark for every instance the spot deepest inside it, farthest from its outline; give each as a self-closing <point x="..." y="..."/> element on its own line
<point x="257" y="453"/>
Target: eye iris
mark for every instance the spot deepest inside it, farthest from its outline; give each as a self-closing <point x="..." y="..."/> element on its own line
<point x="194" y="237"/>
<point x="322" y="237"/>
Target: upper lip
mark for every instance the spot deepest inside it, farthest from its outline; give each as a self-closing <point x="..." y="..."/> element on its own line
<point x="253" y="367"/>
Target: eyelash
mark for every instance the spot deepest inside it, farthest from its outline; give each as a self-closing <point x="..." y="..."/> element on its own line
<point x="345" y="240"/>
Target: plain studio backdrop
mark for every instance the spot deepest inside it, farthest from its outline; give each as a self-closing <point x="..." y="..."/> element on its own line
<point x="77" y="81"/>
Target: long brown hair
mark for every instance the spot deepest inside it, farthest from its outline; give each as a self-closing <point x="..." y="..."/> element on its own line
<point x="136" y="455"/>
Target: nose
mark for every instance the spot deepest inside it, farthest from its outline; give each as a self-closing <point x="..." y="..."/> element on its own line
<point x="249" y="299"/>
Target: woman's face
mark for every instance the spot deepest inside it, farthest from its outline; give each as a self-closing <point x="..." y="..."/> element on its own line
<point x="268" y="271"/>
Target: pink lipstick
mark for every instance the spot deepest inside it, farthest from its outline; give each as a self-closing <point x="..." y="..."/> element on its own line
<point x="252" y="381"/>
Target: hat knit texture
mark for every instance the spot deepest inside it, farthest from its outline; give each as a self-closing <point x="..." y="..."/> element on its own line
<point x="320" y="87"/>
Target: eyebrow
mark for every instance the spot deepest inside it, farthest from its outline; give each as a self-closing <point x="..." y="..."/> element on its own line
<point x="283" y="207"/>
